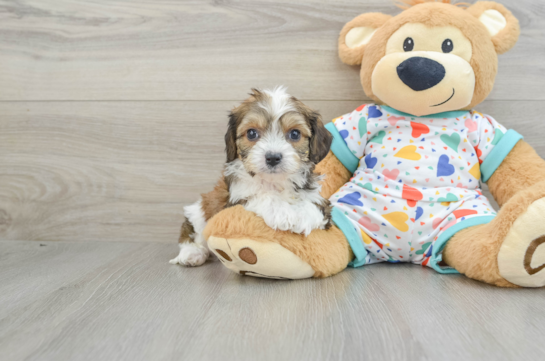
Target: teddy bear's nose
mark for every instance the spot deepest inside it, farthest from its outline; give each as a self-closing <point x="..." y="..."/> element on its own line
<point x="420" y="73"/>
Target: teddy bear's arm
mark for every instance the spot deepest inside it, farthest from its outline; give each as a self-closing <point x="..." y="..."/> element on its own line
<point x="521" y="169"/>
<point x="336" y="174"/>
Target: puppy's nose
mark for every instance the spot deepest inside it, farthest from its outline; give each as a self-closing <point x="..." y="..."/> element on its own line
<point x="420" y="73"/>
<point x="273" y="158"/>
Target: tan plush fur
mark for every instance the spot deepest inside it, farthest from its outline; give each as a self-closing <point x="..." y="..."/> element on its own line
<point x="371" y="20"/>
<point x="484" y="61"/>
<point x="336" y="175"/>
<point x="516" y="184"/>
<point x="522" y="168"/>
<point x="327" y="252"/>
<point x="474" y="251"/>
<point x="506" y="38"/>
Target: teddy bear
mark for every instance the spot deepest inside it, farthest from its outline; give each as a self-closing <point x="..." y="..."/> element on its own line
<point x="404" y="173"/>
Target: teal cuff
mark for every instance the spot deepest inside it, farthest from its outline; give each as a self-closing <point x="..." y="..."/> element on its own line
<point x="451" y="114"/>
<point x="498" y="154"/>
<point x="437" y="257"/>
<point x="351" y="235"/>
<point x="341" y="150"/>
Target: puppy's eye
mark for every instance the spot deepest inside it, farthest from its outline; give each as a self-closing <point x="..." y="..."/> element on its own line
<point x="294" y="134"/>
<point x="408" y="44"/>
<point x="252" y="134"/>
<point x="447" y="46"/>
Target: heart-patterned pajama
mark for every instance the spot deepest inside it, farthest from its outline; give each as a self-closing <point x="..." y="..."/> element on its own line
<point x="416" y="180"/>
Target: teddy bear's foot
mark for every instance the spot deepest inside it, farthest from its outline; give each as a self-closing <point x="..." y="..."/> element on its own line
<point x="251" y="258"/>
<point x="521" y="259"/>
<point x="246" y="245"/>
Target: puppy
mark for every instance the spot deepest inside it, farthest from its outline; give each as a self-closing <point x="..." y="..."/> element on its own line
<point x="273" y="143"/>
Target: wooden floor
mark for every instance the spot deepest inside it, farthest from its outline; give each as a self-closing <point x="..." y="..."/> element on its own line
<point x="122" y="301"/>
<point x="112" y="115"/>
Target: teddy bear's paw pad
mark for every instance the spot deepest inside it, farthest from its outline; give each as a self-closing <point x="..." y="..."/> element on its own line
<point x="259" y="259"/>
<point x="521" y="259"/>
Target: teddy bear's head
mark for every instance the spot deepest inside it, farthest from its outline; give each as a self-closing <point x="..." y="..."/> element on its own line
<point x="431" y="58"/>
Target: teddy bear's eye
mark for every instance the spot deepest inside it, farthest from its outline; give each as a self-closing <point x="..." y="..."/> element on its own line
<point x="408" y="45"/>
<point x="447" y="46"/>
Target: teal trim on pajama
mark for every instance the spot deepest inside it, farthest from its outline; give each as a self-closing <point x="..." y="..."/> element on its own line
<point x="453" y="114"/>
<point x="498" y="153"/>
<point x="352" y="197"/>
<point x="341" y="151"/>
<point x="438" y="245"/>
<point x="345" y="225"/>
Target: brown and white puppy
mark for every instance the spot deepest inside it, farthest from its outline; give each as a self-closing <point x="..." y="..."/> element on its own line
<point x="273" y="143"/>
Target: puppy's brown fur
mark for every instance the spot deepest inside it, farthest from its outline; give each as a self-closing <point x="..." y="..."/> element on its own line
<point x="315" y="141"/>
<point x="313" y="146"/>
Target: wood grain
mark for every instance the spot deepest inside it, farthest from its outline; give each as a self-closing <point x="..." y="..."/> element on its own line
<point x="123" y="301"/>
<point x="107" y="171"/>
<point x="122" y="168"/>
<point x="209" y="50"/>
<point x="112" y="115"/>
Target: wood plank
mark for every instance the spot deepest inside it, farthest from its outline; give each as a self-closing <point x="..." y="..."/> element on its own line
<point x="107" y="170"/>
<point x="122" y="301"/>
<point x="123" y="170"/>
<point x="209" y="50"/>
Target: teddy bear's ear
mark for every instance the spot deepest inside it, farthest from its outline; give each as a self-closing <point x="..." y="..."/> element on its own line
<point x="502" y="26"/>
<point x="356" y="34"/>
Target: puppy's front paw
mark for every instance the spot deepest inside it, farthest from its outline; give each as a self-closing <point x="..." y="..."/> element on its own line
<point x="191" y="255"/>
<point x="307" y="222"/>
<point x="300" y="219"/>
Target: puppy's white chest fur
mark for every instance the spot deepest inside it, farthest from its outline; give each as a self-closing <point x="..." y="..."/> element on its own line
<point x="277" y="198"/>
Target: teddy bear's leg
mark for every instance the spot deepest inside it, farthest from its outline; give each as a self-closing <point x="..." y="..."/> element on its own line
<point x="505" y="252"/>
<point x="510" y="250"/>
<point x="246" y="245"/>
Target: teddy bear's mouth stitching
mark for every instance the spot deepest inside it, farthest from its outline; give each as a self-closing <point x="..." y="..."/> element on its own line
<point x="446" y="101"/>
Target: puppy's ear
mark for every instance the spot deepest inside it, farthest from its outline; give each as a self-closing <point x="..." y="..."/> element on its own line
<point x="256" y="92"/>
<point x="231" y="137"/>
<point x="320" y="141"/>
